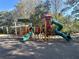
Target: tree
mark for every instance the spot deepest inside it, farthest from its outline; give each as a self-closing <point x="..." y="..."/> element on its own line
<point x="72" y="8"/>
<point x="6" y="18"/>
<point x="25" y="7"/>
<point x="40" y="10"/>
<point x="56" y="6"/>
<point x="73" y="13"/>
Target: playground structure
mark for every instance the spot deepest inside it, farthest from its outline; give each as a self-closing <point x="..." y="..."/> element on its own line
<point x="47" y="29"/>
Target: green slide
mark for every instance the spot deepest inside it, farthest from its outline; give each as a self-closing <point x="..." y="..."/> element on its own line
<point x="26" y="37"/>
<point x="67" y="37"/>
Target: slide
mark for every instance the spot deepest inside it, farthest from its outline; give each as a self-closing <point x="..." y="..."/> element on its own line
<point x="26" y="37"/>
<point x="67" y="37"/>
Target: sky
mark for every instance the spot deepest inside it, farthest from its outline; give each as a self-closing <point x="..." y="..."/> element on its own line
<point x="7" y="4"/>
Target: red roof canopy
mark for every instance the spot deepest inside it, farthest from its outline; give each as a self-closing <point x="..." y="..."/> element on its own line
<point x="47" y="16"/>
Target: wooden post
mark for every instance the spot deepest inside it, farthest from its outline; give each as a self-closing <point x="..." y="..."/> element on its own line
<point x="40" y="33"/>
<point x="45" y="30"/>
<point x="34" y="33"/>
<point x="2" y="27"/>
<point x="20" y="31"/>
<point x="15" y="28"/>
<point x="7" y="30"/>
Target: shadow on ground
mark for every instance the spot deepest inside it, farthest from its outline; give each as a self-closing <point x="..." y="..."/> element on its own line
<point x="39" y="50"/>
